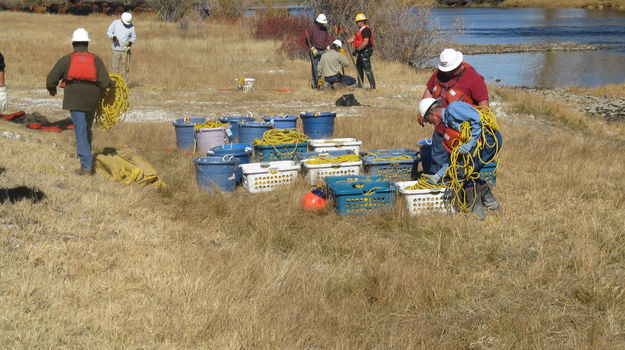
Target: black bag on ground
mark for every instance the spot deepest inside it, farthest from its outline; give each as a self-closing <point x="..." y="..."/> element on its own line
<point x="347" y="100"/>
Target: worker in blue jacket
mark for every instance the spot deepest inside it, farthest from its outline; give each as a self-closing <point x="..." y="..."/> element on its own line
<point x="482" y="147"/>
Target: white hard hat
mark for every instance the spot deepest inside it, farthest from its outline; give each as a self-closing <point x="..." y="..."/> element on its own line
<point x="338" y="43"/>
<point x="426" y="104"/>
<point x="322" y="19"/>
<point x="80" y="34"/>
<point x="449" y="60"/>
<point x="126" y="18"/>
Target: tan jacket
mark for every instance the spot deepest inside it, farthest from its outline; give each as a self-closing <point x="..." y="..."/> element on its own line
<point x="332" y="63"/>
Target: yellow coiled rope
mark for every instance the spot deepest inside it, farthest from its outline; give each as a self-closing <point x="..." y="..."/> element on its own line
<point x="276" y="137"/>
<point x="113" y="103"/>
<point x="380" y="156"/>
<point x="340" y="159"/>
<point x="209" y="124"/>
<point x="423" y="184"/>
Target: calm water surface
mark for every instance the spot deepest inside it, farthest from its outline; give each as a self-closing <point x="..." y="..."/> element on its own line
<point x="544" y="69"/>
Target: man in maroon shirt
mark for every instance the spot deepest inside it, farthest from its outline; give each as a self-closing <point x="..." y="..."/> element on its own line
<point x="318" y="40"/>
<point x="454" y="80"/>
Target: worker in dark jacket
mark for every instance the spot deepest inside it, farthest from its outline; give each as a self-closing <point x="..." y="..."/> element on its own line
<point x="84" y="76"/>
<point x="319" y="39"/>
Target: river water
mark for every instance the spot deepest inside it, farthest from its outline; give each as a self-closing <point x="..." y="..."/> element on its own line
<point x="551" y="69"/>
<point x="537" y="25"/>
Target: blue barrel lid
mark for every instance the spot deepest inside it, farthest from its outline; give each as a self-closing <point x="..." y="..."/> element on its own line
<point x="280" y="117"/>
<point x="235" y="149"/>
<point x="257" y="125"/>
<point x="191" y="122"/>
<point x="317" y="114"/>
<point x="217" y="160"/>
<point x="235" y="119"/>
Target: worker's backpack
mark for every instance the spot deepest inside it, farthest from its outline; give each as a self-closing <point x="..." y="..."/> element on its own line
<point x="347" y="100"/>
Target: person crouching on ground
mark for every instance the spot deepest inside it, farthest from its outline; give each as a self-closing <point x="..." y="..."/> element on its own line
<point x="84" y="76"/>
<point x="332" y="66"/>
<point x="482" y="148"/>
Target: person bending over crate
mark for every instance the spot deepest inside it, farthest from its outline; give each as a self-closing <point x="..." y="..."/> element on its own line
<point x="471" y="139"/>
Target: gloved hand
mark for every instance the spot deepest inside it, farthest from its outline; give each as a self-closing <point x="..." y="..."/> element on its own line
<point x="52" y="91"/>
<point x="432" y="179"/>
<point x="465" y="147"/>
<point x="129" y="44"/>
<point x="114" y="38"/>
<point x="314" y="51"/>
<point x="4" y="99"/>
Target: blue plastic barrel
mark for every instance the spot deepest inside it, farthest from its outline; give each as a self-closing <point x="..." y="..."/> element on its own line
<point x="425" y="152"/>
<point x="252" y="130"/>
<point x="242" y="151"/>
<point x="185" y="133"/>
<point x="318" y="125"/>
<point x="216" y="171"/>
<point x="235" y="122"/>
<point x="282" y="121"/>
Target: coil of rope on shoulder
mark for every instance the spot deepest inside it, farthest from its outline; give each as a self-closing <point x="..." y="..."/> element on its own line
<point x="113" y="103"/>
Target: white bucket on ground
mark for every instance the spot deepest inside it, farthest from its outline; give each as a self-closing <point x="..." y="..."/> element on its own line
<point x="207" y="138"/>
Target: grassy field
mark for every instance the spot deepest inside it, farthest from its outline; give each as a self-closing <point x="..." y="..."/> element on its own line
<point x="98" y="264"/>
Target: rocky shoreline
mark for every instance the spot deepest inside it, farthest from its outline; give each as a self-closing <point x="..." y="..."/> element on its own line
<point x="609" y="108"/>
<point x="515" y="48"/>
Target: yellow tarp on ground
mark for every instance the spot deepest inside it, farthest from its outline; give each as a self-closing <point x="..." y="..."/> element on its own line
<point x="127" y="167"/>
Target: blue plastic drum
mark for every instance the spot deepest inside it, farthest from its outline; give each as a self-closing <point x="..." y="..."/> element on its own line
<point x="282" y="121"/>
<point x="252" y="130"/>
<point x="318" y="125"/>
<point x="185" y="133"/>
<point x="235" y="123"/>
<point x="242" y="151"/>
<point x="211" y="172"/>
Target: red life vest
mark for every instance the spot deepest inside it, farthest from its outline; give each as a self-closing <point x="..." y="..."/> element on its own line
<point x="451" y="139"/>
<point x="447" y="92"/>
<point x="358" y="39"/>
<point x="82" y="67"/>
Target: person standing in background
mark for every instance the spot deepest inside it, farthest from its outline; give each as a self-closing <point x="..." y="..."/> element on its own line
<point x="122" y="33"/>
<point x="4" y="97"/>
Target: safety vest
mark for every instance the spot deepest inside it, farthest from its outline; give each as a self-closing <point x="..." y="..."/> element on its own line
<point x="447" y="92"/>
<point x="358" y="39"/>
<point x="82" y="67"/>
<point x="451" y="139"/>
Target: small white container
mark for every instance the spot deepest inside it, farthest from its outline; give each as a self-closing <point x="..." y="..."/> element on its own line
<point x="246" y="85"/>
<point x="263" y="177"/>
<point x="316" y="172"/>
<point x="321" y="145"/>
<point x="435" y="200"/>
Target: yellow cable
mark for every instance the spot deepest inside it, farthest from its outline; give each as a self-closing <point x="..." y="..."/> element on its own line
<point x="113" y="103"/>
<point x="275" y="137"/>
<point x="209" y="124"/>
<point x="340" y="159"/>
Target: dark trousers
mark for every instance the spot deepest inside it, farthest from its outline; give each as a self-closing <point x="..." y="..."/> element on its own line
<point x="315" y="63"/>
<point x="339" y="78"/>
<point x="363" y="66"/>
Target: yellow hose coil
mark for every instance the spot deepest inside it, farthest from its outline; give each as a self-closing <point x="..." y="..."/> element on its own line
<point x="340" y="159"/>
<point x="276" y="137"/>
<point x="209" y="124"/>
<point x="113" y="103"/>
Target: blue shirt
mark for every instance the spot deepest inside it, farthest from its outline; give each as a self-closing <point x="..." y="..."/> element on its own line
<point x="455" y="114"/>
<point x="125" y="34"/>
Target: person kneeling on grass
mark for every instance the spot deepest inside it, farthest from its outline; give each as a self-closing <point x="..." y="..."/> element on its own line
<point x="480" y="149"/>
<point x="332" y="66"/>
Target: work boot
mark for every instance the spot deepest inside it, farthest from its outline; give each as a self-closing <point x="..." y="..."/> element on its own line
<point x="82" y="172"/>
<point x="488" y="198"/>
<point x="474" y="202"/>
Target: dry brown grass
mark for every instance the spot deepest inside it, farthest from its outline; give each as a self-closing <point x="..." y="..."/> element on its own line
<point x="103" y="265"/>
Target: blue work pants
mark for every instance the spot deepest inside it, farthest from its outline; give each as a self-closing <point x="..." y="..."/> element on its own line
<point x="82" y="130"/>
<point x="339" y="78"/>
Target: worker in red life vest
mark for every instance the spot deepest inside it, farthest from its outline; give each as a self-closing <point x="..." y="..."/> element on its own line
<point x="363" y="49"/>
<point x="482" y="147"/>
<point x="84" y="76"/>
<point x="454" y="80"/>
<point x="318" y="40"/>
<point x="4" y="97"/>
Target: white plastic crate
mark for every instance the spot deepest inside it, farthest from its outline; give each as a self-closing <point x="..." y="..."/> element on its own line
<point x="435" y="200"/>
<point x="262" y="177"/>
<point x="321" y="145"/>
<point x="316" y="172"/>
